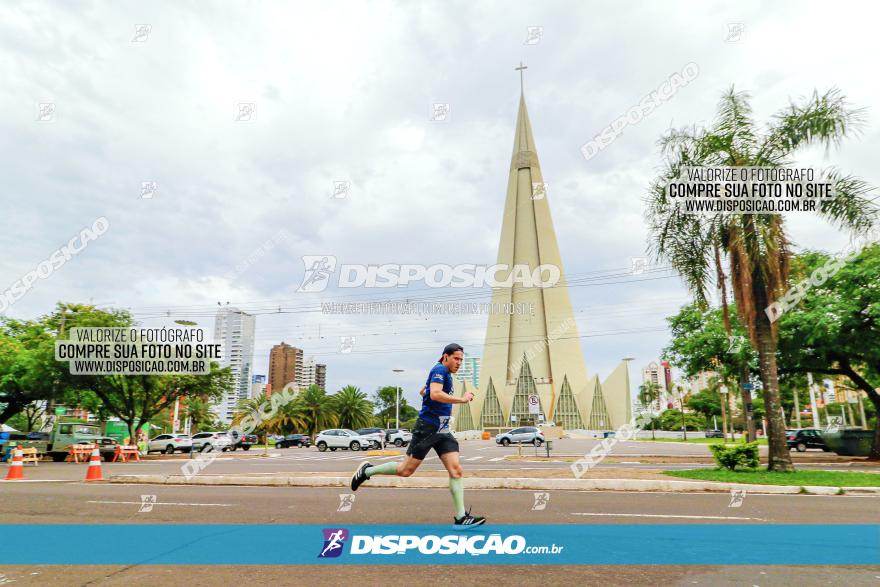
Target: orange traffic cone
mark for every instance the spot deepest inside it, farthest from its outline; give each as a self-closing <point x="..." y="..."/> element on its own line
<point x="94" y="472"/>
<point x="16" y="467"/>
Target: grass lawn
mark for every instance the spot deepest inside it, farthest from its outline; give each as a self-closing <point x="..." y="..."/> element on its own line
<point x="764" y="477"/>
<point x="700" y="440"/>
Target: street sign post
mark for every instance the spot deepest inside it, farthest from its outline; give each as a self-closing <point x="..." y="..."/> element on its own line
<point x="534" y="404"/>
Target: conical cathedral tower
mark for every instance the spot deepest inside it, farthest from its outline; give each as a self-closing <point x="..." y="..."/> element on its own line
<point x="536" y="352"/>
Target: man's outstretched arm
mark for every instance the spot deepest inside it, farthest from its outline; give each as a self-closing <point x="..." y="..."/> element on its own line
<point x="438" y="395"/>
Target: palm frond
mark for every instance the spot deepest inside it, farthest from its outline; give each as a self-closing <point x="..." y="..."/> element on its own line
<point x="825" y="118"/>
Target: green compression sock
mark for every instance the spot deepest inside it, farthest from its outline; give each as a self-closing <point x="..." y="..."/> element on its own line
<point x="383" y="469"/>
<point x="457" y="491"/>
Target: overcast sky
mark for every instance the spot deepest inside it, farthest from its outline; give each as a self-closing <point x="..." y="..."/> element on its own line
<point x="343" y="92"/>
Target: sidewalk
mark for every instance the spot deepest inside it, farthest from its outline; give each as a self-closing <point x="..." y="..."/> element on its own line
<point x="439" y="481"/>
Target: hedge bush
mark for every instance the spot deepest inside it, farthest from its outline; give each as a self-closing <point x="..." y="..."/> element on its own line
<point x="738" y="455"/>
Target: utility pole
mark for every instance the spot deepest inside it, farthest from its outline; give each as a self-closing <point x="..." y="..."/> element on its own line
<point x="397" y="402"/>
<point x="723" y="391"/>
<point x="813" y="407"/>
<point x="684" y="429"/>
<point x="797" y="407"/>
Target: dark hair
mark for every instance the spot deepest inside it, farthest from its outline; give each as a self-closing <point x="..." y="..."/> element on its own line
<point x="451" y="348"/>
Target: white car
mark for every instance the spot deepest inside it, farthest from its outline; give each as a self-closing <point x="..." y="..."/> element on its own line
<point x="342" y="438"/>
<point x="209" y="441"/>
<point x="398" y="436"/>
<point x="168" y="443"/>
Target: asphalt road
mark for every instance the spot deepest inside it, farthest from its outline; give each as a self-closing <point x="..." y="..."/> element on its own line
<point x="476" y="456"/>
<point x="52" y="503"/>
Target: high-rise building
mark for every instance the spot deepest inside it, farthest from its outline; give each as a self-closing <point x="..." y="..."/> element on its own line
<point x="537" y="353"/>
<point x="234" y="332"/>
<point x="700" y="381"/>
<point x="470" y="371"/>
<point x="285" y="366"/>
<point x="660" y="374"/>
<point x="258" y="385"/>
<point x="313" y="373"/>
<point x="307" y="373"/>
<point x="321" y="376"/>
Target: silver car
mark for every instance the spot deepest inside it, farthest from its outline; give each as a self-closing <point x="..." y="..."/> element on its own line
<point x="522" y="435"/>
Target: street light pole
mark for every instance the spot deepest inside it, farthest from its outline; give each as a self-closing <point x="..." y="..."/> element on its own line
<point x="397" y="402"/>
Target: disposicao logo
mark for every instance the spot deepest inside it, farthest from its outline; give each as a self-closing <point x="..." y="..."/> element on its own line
<point x="334" y="541"/>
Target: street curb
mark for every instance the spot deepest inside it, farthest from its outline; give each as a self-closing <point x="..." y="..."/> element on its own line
<point x="645" y="485"/>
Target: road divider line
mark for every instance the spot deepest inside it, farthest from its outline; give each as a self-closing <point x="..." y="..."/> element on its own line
<point x="609" y="514"/>
<point x="222" y="505"/>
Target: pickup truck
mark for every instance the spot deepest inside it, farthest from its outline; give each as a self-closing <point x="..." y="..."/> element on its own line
<point x="66" y="433"/>
<point x="56" y="443"/>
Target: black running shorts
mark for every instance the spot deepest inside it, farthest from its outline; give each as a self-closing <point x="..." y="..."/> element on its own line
<point x="425" y="437"/>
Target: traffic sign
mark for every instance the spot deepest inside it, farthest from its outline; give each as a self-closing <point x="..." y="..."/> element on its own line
<point x="534" y="404"/>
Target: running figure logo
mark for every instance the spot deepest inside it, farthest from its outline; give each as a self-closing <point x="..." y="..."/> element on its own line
<point x="737" y="496"/>
<point x="346" y="500"/>
<point x="318" y="270"/>
<point x="541" y="500"/>
<point x="334" y="541"/>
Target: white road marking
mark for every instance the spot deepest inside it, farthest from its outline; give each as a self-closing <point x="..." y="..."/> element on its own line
<point x="223" y="505"/>
<point x="473" y="458"/>
<point x="496" y="459"/>
<point x="664" y="516"/>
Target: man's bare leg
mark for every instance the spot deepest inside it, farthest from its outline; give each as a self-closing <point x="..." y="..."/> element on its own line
<point x="403" y="468"/>
<point x="453" y="466"/>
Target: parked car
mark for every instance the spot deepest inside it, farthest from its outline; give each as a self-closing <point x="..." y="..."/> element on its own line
<point x="107" y="447"/>
<point x="804" y="438"/>
<point x="377" y="434"/>
<point x="525" y="434"/>
<point x="342" y="438"/>
<point x="293" y="440"/>
<point x="714" y="433"/>
<point x="168" y="443"/>
<point x="398" y="436"/>
<point x="245" y="441"/>
<point x="208" y="441"/>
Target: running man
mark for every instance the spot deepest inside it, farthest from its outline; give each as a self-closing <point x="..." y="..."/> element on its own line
<point x="432" y="431"/>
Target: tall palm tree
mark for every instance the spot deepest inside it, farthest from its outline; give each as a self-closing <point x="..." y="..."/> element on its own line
<point x="289" y="418"/>
<point x="756" y="245"/>
<point x="199" y="413"/>
<point x="251" y="407"/>
<point x="317" y="409"/>
<point x="649" y="393"/>
<point x="352" y="407"/>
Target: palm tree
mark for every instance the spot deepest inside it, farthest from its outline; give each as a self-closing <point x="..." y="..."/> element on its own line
<point x="352" y="407"/>
<point x="288" y="418"/>
<point x="756" y="245"/>
<point x="317" y="409"/>
<point x="199" y="413"/>
<point x="251" y="407"/>
<point x="649" y="393"/>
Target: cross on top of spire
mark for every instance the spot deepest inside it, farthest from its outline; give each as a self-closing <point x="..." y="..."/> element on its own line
<point x="520" y="70"/>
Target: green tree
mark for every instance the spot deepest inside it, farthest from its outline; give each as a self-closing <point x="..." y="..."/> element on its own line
<point x="706" y="402"/>
<point x="199" y="413"/>
<point x="317" y="409"/>
<point x="384" y="401"/>
<point x="756" y="245"/>
<point x="835" y="328"/>
<point x="649" y="393"/>
<point x="672" y="420"/>
<point x="352" y="408"/>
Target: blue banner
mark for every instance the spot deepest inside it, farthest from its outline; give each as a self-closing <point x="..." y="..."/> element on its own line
<point x="558" y="544"/>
